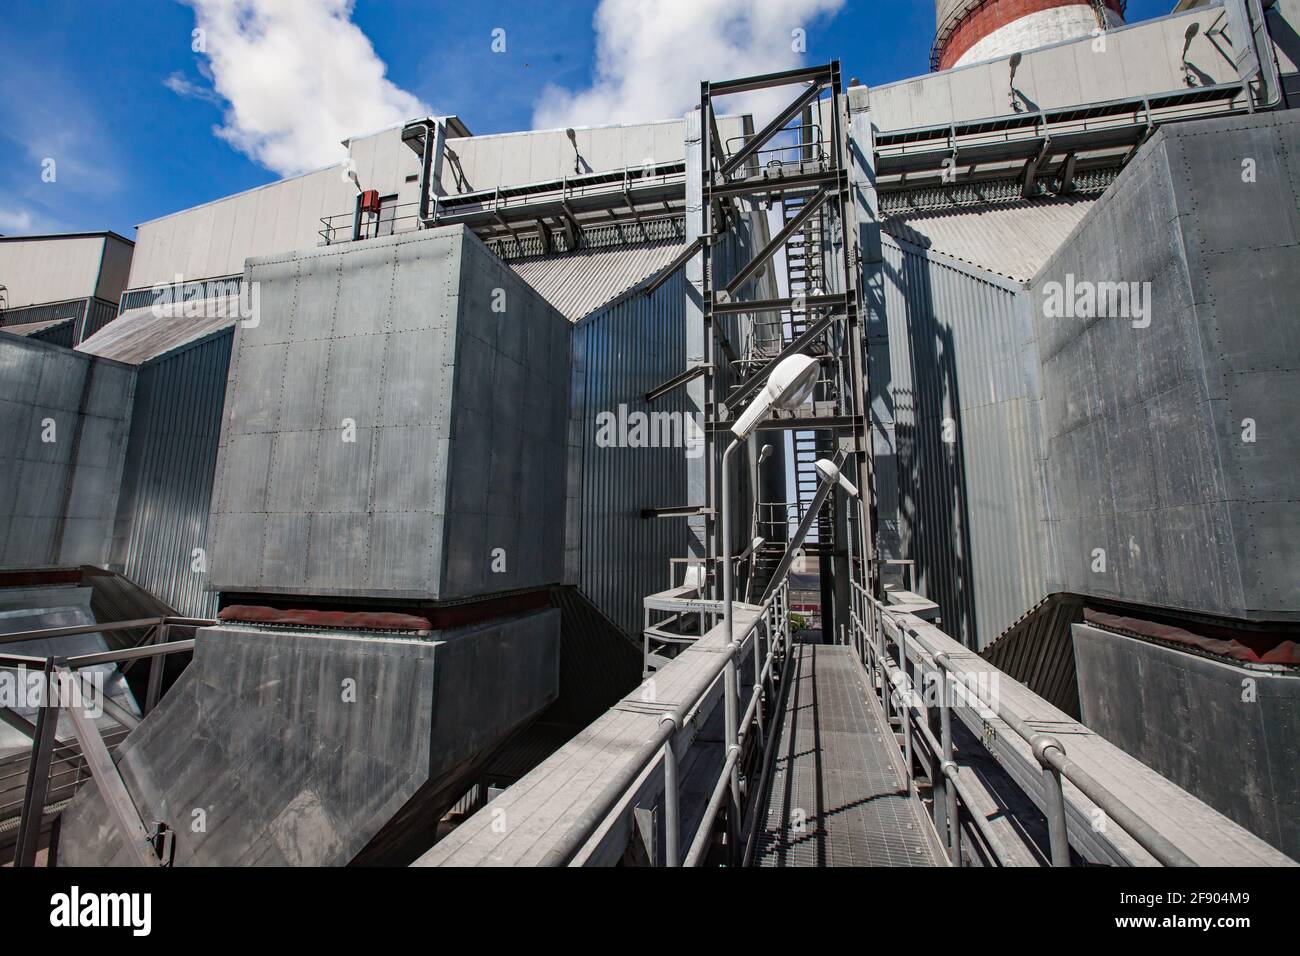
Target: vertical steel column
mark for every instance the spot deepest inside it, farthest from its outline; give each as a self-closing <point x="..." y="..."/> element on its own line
<point x="38" y="772"/>
<point x="1053" y="799"/>
<point x="672" y="801"/>
<point x="880" y="660"/>
<point x="156" y="664"/>
<point x="905" y="708"/>
<point x="949" y="786"/>
<point x="707" y="278"/>
<point x="730" y="675"/>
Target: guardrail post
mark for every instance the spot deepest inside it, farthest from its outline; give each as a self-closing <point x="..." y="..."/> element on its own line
<point x="122" y="809"/>
<point x="156" y="662"/>
<point x="905" y="718"/>
<point x="672" y="800"/>
<point x="758" y="674"/>
<point x="1054" y="799"/>
<point x="953" y="813"/>
<point x="729" y="678"/>
<point x="38" y="772"/>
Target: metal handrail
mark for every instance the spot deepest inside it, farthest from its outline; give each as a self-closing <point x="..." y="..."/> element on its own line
<point x="1047" y="750"/>
<point x="660" y="746"/>
<point x="93" y="750"/>
<point x="346" y="222"/>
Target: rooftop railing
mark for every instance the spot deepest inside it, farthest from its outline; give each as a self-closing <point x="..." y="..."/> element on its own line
<point x="879" y="634"/>
<point x="767" y="635"/>
<point x="88" y="750"/>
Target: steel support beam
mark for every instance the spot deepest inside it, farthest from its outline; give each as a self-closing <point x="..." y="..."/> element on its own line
<point x="837" y="301"/>
<point x="38" y="774"/>
<point x="135" y="836"/>
<point x="816" y="74"/>
<point x="751" y="384"/>
<point x="759" y="140"/>
<point x="763" y="184"/>
<point x="664" y="274"/>
<point x="777" y="242"/>
<point x="677" y="381"/>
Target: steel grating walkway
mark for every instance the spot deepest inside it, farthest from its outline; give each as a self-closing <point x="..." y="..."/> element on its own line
<point x="837" y="796"/>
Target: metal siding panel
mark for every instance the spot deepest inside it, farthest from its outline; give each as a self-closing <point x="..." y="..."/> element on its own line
<point x="625" y="350"/>
<point x="579" y="283"/>
<point x="167" y="482"/>
<point x="1013" y="239"/>
<point x="52" y="269"/>
<point x="969" y="512"/>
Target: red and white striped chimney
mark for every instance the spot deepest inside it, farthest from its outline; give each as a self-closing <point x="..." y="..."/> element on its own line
<point x="970" y="31"/>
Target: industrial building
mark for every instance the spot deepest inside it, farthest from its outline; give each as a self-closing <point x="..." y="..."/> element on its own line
<point x="62" y="288"/>
<point x="476" y="476"/>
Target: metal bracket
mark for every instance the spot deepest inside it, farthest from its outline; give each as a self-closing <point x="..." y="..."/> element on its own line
<point x="645" y="832"/>
<point x="678" y="380"/>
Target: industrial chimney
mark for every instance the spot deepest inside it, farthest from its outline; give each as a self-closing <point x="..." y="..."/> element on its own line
<point x="973" y="30"/>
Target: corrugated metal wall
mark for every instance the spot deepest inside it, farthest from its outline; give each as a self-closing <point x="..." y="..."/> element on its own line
<point x="89" y="315"/>
<point x="31" y="314"/>
<point x="619" y="353"/>
<point x="98" y="314"/>
<point x="964" y="386"/>
<point x="167" y="481"/>
<point x="58" y="334"/>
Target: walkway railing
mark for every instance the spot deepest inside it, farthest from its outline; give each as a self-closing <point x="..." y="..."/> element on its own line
<point x="147" y="847"/>
<point x="875" y="628"/>
<point x="768" y="634"/>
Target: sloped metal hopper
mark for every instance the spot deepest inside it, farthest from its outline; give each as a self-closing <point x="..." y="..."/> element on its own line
<point x="321" y="748"/>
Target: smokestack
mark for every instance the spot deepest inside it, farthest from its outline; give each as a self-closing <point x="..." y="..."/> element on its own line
<point x="970" y="31"/>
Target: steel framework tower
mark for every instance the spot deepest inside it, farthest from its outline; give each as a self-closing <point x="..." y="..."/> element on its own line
<point x="799" y="163"/>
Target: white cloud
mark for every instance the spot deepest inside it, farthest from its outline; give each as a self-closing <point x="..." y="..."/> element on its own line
<point x="651" y="57"/>
<point x="298" y="77"/>
<point x="181" y="86"/>
<point x="15" y="220"/>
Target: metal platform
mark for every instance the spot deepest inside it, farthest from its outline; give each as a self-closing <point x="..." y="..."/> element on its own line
<point x="837" y="795"/>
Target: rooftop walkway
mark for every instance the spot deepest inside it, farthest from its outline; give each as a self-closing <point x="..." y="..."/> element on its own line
<point x="837" y="796"/>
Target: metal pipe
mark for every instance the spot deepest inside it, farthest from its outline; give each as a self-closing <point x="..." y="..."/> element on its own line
<point x="996" y="846"/>
<point x="950" y="788"/>
<point x="130" y="654"/>
<point x="672" y="798"/>
<point x="1142" y="832"/>
<point x="156" y="663"/>
<point x="38" y="774"/>
<point x="1054" y="798"/>
<point x="732" y="705"/>
<point x="616" y="788"/>
<point x="700" y="844"/>
<point x="54" y="632"/>
<point x="1146" y="836"/>
<point x="769" y="746"/>
<point x="904" y="717"/>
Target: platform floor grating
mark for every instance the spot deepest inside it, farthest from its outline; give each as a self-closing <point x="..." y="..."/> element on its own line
<point x="837" y="796"/>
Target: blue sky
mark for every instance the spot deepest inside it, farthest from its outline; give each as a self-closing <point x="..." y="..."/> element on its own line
<point x="113" y="93"/>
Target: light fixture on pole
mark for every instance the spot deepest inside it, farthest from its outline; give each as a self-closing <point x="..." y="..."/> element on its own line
<point x="577" y="156"/>
<point x="831" y="472"/>
<point x="1188" y="36"/>
<point x="787" y="387"/>
<point x="830" y="476"/>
